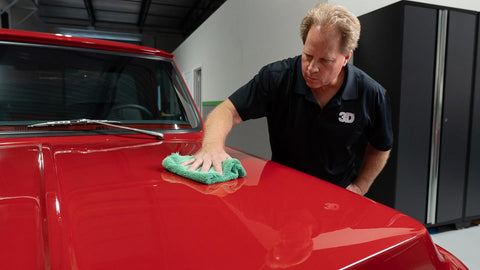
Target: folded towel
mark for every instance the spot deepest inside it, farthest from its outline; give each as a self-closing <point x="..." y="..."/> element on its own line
<point x="232" y="169"/>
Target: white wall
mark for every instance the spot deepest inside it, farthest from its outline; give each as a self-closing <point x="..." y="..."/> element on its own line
<point x="238" y="39"/>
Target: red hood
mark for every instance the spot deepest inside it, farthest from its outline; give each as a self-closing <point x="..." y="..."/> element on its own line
<point x="109" y="204"/>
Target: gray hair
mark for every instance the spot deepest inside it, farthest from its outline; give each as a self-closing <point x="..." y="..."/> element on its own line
<point x="328" y="15"/>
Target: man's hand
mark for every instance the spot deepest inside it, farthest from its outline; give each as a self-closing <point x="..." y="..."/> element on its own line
<point x="356" y="189"/>
<point x="206" y="159"/>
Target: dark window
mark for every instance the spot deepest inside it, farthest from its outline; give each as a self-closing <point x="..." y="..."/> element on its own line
<point x="46" y="83"/>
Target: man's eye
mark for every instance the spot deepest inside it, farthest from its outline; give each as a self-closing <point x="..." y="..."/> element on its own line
<point x="327" y="61"/>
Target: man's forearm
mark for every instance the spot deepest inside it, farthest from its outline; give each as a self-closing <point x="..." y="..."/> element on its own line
<point x="373" y="163"/>
<point x="219" y="123"/>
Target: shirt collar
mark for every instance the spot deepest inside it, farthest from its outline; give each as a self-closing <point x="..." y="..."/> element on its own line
<point x="350" y="90"/>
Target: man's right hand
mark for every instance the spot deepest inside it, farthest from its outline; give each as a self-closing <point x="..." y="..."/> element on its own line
<point x="206" y="159"/>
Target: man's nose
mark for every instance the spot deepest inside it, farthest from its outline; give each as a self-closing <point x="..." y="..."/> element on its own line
<point x="313" y="66"/>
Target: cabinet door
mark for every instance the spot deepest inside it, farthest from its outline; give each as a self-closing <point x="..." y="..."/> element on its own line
<point x="379" y="54"/>
<point x="417" y="86"/>
<point x="456" y="115"/>
<point x="398" y="49"/>
<point x="472" y="207"/>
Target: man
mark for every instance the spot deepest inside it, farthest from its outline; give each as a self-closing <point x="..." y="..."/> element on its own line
<point x="325" y="117"/>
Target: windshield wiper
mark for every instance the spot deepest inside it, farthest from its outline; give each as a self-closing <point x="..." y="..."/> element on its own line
<point x="109" y="123"/>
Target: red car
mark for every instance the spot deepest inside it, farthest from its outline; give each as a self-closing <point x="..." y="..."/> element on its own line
<point x="84" y="127"/>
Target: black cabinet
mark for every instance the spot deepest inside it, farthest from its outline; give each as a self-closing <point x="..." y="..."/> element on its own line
<point x="472" y="208"/>
<point x="459" y="65"/>
<point x="425" y="56"/>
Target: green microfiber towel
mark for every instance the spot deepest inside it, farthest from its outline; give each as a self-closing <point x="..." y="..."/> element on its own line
<point x="232" y="169"/>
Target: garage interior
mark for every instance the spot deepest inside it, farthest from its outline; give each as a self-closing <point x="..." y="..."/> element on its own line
<point x="196" y="29"/>
<point x="159" y="24"/>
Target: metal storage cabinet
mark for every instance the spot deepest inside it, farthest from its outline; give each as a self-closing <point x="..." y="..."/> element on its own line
<point x="459" y="65"/>
<point x="423" y="56"/>
<point x="472" y="208"/>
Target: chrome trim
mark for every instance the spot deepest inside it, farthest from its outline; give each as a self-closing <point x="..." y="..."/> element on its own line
<point x="437" y="116"/>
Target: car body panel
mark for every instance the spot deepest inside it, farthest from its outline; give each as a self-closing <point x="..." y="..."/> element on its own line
<point x="108" y="203"/>
<point x="104" y="201"/>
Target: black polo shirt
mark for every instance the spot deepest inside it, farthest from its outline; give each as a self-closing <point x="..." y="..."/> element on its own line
<point x="328" y="143"/>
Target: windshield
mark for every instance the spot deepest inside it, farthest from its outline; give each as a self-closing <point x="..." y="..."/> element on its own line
<point x="49" y="83"/>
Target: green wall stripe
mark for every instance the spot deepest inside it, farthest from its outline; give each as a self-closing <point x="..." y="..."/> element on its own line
<point x="211" y="103"/>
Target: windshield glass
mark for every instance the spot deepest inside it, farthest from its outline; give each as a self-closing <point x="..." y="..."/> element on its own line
<point x="48" y="83"/>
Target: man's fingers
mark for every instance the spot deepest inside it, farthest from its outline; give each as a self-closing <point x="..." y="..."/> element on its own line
<point x="206" y="166"/>
<point x="188" y="162"/>
<point x="218" y="166"/>
<point x="196" y="163"/>
<point x="205" y="163"/>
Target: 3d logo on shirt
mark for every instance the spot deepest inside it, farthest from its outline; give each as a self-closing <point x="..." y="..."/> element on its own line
<point x="346" y="117"/>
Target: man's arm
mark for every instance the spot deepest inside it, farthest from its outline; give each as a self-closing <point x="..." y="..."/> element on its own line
<point x="217" y="126"/>
<point x="373" y="163"/>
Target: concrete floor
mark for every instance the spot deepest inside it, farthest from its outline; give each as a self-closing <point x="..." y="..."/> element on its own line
<point x="463" y="243"/>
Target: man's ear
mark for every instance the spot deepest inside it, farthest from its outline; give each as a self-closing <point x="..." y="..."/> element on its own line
<point x="347" y="57"/>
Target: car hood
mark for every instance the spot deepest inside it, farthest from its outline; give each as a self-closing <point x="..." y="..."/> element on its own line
<point x="110" y="204"/>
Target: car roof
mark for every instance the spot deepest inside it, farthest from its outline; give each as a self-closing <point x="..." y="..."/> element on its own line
<point x="65" y="40"/>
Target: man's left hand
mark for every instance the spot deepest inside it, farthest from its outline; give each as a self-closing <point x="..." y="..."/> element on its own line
<point x="355" y="188"/>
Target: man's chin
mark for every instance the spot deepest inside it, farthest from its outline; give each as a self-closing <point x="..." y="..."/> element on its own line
<point x="313" y="85"/>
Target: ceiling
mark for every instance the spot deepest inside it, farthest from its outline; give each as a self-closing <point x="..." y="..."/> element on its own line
<point x="172" y="20"/>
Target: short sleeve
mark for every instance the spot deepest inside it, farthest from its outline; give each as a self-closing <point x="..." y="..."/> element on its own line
<point x="251" y="100"/>
<point x="255" y="99"/>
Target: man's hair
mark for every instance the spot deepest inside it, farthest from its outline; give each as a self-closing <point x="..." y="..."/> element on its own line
<point x="330" y="16"/>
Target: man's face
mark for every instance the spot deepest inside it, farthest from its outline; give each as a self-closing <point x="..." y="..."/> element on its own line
<point x="322" y="60"/>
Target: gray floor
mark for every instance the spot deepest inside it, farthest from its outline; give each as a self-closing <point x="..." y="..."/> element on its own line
<point x="462" y="243"/>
